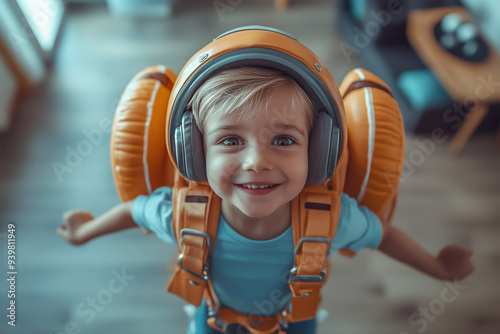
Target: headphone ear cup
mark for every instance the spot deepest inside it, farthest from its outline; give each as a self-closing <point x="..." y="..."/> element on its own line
<point x="323" y="149"/>
<point x="189" y="154"/>
<point x="179" y="151"/>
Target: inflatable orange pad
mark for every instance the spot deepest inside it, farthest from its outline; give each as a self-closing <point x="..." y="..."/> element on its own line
<point x="139" y="157"/>
<point x="375" y="142"/>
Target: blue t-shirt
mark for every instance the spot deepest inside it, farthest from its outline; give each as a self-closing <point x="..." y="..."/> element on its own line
<point x="250" y="276"/>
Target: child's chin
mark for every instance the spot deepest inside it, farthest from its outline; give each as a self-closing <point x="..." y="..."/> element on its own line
<point x="257" y="213"/>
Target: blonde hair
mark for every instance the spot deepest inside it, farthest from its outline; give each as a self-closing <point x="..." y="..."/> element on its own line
<point x="247" y="91"/>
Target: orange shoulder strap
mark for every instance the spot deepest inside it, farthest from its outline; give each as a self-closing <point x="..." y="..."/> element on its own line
<point x="196" y="211"/>
<point x="315" y="214"/>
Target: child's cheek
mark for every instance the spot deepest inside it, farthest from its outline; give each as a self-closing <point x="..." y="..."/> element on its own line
<point x="220" y="170"/>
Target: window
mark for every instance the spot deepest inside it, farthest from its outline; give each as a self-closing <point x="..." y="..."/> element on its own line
<point x="41" y="20"/>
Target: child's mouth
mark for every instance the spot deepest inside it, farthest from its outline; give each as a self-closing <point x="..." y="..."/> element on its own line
<point x="260" y="189"/>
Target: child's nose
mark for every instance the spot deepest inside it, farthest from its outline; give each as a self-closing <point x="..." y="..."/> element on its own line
<point x="257" y="159"/>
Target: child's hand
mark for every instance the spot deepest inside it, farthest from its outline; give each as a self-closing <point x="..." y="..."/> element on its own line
<point x="71" y="226"/>
<point x="456" y="262"/>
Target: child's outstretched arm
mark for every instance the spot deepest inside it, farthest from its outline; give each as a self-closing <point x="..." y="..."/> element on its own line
<point x="452" y="262"/>
<point x="79" y="226"/>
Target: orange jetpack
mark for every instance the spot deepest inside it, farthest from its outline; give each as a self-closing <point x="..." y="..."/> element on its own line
<point x="356" y="146"/>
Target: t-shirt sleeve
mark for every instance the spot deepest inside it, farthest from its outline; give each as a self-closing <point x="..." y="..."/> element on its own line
<point x="154" y="213"/>
<point x="358" y="227"/>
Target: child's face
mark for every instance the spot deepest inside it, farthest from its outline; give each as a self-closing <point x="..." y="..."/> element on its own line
<point x="268" y="150"/>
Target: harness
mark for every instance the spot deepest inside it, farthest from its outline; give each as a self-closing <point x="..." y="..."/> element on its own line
<point x="368" y="170"/>
<point x="196" y="216"/>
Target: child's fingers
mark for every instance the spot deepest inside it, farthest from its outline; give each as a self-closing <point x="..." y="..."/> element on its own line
<point x="62" y="232"/>
<point x="76" y="217"/>
<point x="69" y="214"/>
<point x="463" y="250"/>
<point x="457" y="260"/>
<point x="467" y="269"/>
<point x="68" y="235"/>
<point x="71" y="222"/>
<point x="456" y="252"/>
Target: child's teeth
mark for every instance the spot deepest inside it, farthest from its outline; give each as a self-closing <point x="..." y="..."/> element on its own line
<point x="252" y="186"/>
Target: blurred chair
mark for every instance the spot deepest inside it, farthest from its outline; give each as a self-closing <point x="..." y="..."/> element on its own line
<point x="375" y="32"/>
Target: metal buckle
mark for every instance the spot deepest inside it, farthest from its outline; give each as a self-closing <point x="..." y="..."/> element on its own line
<point x="196" y="232"/>
<point x="314" y="239"/>
<point x="205" y="270"/>
<point x="209" y="243"/>
<point x="293" y="277"/>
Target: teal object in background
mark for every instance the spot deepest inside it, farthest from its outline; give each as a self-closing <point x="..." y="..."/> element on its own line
<point x="422" y="89"/>
<point x="140" y="8"/>
<point x="358" y="9"/>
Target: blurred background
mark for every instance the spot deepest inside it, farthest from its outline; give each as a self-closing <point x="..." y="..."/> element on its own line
<point x="64" y="65"/>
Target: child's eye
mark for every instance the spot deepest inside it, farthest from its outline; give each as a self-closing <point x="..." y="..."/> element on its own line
<point x="230" y="141"/>
<point x="283" y="141"/>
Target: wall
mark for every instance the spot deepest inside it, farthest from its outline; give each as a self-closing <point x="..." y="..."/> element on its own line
<point x="21" y="64"/>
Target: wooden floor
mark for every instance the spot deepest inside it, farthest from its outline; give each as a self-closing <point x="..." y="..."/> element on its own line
<point x="65" y="289"/>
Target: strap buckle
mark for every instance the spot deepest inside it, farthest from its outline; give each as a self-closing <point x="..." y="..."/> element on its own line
<point x="209" y="243"/>
<point x="293" y="277"/>
<point x="198" y="233"/>
<point x="230" y="321"/>
<point x="314" y="239"/>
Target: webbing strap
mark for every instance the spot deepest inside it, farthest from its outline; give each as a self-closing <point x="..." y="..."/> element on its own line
<point x="315" y="219"/>
<point x="195" y="219"/>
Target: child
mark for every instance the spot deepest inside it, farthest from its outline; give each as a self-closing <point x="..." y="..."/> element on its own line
<point x="257" y="163"/>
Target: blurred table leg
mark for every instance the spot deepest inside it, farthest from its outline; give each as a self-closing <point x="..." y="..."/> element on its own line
<point x="468" y="127"/>
<point x="498" y="137"/>
<point x="281" y="5"/>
